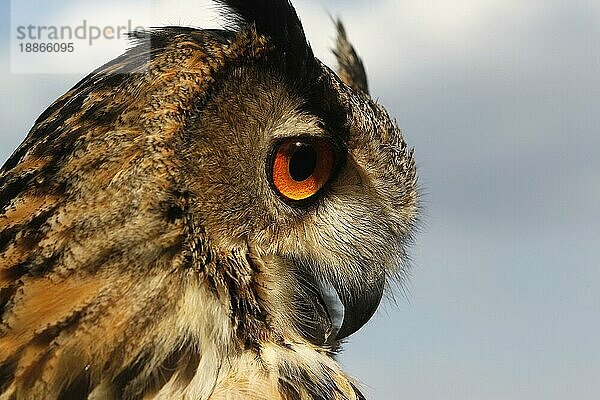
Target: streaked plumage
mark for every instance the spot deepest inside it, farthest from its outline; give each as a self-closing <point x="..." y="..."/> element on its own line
<point x="144" y="250"/>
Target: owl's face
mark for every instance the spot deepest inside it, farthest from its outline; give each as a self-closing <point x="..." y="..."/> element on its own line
<point x="216" y="204"/>
<point x="313" y="179"/>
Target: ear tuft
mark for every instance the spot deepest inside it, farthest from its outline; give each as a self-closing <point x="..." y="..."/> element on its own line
<point x="350" y="67"/>
<point x="276" y="19"/>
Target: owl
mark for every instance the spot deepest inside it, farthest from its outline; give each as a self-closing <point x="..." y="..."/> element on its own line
<point x="208" y="216"/>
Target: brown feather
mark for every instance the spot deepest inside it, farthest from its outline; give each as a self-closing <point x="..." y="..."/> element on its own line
<point x="143" y="252"/>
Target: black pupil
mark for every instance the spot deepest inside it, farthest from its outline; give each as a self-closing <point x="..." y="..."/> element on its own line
<point x="303" y="162"/>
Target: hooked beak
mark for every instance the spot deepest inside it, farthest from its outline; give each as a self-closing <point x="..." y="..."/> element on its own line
<point x="325" y="297"/>
<point x="359" y="305"/>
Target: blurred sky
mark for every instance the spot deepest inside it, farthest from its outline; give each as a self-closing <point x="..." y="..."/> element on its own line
<point x="501" y="100"/>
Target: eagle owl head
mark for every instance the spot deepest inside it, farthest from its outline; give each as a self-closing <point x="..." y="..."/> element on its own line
<point x="207" y="216"/>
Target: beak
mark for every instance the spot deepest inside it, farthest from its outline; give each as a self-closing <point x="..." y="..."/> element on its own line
<point x="359" y="305"/>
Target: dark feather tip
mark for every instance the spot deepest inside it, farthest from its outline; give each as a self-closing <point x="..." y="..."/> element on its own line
<point x="276" y="19"/>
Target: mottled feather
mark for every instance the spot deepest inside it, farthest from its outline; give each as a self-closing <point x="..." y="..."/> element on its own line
<point x="143" y="253"/>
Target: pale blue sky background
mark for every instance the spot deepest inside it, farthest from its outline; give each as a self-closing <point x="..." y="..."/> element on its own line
<point x="501" y="100"/>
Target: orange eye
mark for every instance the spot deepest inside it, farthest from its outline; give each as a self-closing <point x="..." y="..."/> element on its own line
<point x="301" y="168"/>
